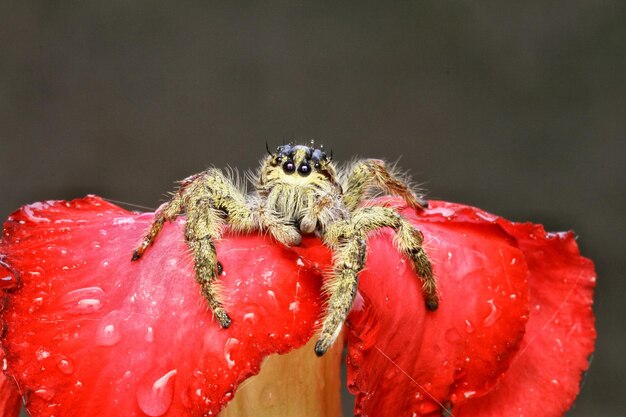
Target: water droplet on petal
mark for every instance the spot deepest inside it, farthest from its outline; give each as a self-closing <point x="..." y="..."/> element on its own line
<point x="65" y="366"/>
<point x="272" y="296"/>
<point x="155" y="396"/>
<point x="228" y="347"/>
<point x="109" y="330"/>
<point x="469" y="326"/>
<point x="83" y="300"/>
<point x="149" y="334"/>
<point x="469" y="394"/>
<point x="227" y="396"/>
<point x="249" y="317"/>
<point x="7" y="277"/>
<point x="42" y="354"/>
<point x="45" y="393"/>
<point x="492" y="316"/>
<point x="35" y="305"/>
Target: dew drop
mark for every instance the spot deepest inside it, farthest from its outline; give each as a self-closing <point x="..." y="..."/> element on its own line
<point x="149" y="334"/>
<point x="492" y="316"/>
<point x="469" y="394"/>
<point x="443" y="211"/>
<point x="109" y="331"/>
<point x="35" y="305"/>
<point x="469" y="326"/>
<point x="249" y="317"/>
<point x="42" y="354"/>
<point x="272" y="297"/>
<point x="228" y="347"/>
<point x="28" y="211"/>
<point x="155" y="396"/>
<point x="65" y="366"/>
<point x="45" y="393"/>
<point x="7" y="277"/>
<point x="83" y="300"/>
<point x="227" y="396"/>
<point x="108" y="335"/>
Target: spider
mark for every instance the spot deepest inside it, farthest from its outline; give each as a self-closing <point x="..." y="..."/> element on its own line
<point x="298" y="191"/>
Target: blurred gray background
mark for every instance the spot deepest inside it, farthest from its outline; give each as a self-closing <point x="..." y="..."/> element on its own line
<point x="516" y="107"/>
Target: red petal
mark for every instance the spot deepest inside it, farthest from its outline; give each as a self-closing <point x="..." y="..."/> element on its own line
<point x="406" y="361"/>
<point x="544" y="377"/>
<point x="92" y="333"/>
<point x="10" y="402"/>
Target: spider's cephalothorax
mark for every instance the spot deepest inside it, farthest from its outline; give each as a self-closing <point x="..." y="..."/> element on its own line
<point x="298" y="192"/>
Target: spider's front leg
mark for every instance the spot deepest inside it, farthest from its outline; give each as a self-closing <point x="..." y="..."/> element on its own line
<point x="209" y="198"/>
<point x="348" y="239"/>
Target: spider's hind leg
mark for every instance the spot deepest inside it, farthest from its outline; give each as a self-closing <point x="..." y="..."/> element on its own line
<point x="374" y="173"/>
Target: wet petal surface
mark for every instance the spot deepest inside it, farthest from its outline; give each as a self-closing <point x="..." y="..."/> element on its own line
<point x="92" y="333"/>
<point x="511" y="297"/>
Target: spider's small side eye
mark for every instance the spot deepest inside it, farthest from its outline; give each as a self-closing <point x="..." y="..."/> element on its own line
<point x="304" y="169"/>
<point x="289" y="167"/>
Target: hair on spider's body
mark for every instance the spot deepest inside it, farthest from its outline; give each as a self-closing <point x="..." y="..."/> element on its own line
<point x="298" y="191"/>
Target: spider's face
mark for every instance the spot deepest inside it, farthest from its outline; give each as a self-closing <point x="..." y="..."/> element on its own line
<point x="297" y="165"/>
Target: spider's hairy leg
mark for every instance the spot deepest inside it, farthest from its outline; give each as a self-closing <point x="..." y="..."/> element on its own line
<point x="349" y="260"/>
<point x="348" y="241"/>
<point x="281" y="230"/>
<point x="210" y="199"/>
<point x="167" y="212"/>
<point x="319" y="212"/>
<point x="409" y="241"/>
<point x="207" y="198"/>
<point x="202" y="227"/>
<point x="374" y="173"/>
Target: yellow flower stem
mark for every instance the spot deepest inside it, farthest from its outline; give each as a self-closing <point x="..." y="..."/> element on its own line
<point x="298" y="384"/>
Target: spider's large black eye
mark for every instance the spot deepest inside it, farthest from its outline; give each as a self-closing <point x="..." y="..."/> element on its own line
<point x="304" y="169"/>
<point x="289" y="167"/>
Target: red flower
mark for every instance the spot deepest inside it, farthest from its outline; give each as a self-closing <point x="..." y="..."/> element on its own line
<point x="90" y="333"/>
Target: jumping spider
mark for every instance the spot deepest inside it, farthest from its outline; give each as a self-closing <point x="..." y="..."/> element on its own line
<point x="298" y="191"/>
